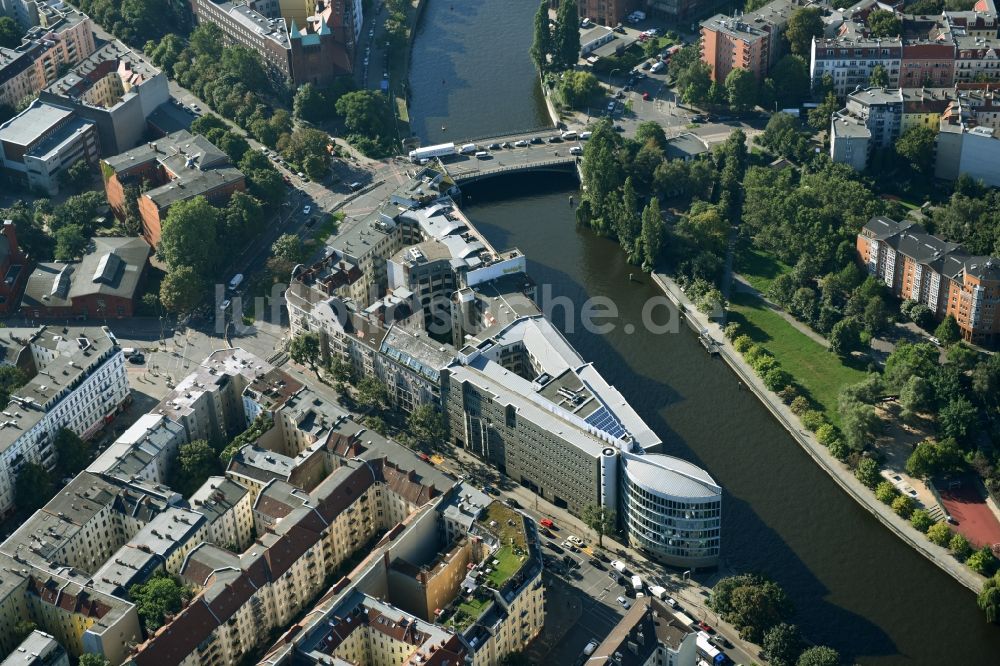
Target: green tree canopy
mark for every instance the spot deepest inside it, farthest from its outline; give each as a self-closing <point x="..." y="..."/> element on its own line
<point x="783" y="644"/>
<point x="819" y="655"/>
<point x="188" y="237"/>
<point x="427" y="425"/>
<point x="741" y="90"/>
<point x="916" y="145"/>
<point x="93" y="659"/>
<point x="988" y="599"/>
<point x="33" y="487"/>
<point x="70" y="242"/>
<point x="930" y="458"/>
<point x="310" y="103"/>
<point x="196" y="461"/>
<point x="948" y="331"/>
<point x="803" y="25"/>
<point x="882" y="23"/>
<point x="373" y="393"/>
<point x="74" y="453"/>
<point x="578" y="88"/>
<point x="566" y="42"/>
<point x="751" y="603"/>
<point x="879" y="77"/>
<point x="365" y="111"/>
<point x="157" y="598"/>
<point x="10" y="34"/>
<point x="653" y="233"/>
<point x="600" y="519"/>
<point x="791" y="80"/>
<point x="305" y="349"/>
<point x="181" y="290"/>
<point x="541" y="45"/>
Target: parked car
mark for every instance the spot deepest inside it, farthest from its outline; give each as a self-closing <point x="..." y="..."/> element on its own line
<point x="521" y="144"/>
<point x="554" y="139"/>
<point x="645" y="97"/>
<point x="551" y="545"/>
<point x="355" y="186"/>
<point x="536" y="139"/>
<point x="306" y="210"/>
<point x="624" y="603"/>
<point x="545" y="522"/>
<point x="707" y="628"/>
<point x="494" y="146"/>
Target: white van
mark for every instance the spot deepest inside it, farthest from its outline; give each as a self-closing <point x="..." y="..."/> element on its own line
<point x="468" y="149"/>
<point x="585" y="135"/>
<point x="569" y="136"/>
<point x="576" y="150"/>
<point x="482" y="154"/>
<point x="236" y="281"/>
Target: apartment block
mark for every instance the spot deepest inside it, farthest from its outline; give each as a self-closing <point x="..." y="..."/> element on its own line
<point x="850" y="61"/>
<point x="42" y="142"/>
<point x="64" y="40"/>
<point x="80" y="387"/>
<point x="752" y="41"/>
<point x="650" y="633"/>
<point x="608" y="12"/>
<point x="13" y="267"/>
<point x="298" y="42"/>
<point x="176" y="167"/>
<point x="38" y="649"/>
<point x="115" y="89"/>
<point x="939" y="274"/>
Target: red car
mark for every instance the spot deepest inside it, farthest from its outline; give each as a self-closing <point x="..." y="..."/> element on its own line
<point x="645" y="96"/>
<point x="545" y="522"/>
<point x="707" y="628"/>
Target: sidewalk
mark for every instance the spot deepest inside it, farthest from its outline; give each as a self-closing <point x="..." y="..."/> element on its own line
<point x="840" y="474"/>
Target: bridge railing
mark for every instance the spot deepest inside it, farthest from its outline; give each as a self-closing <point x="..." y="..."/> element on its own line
<point x="526" y="166"/>
<point x="502" y="137"/>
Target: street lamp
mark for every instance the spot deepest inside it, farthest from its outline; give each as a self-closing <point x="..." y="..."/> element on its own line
<point x="611" y="76"/>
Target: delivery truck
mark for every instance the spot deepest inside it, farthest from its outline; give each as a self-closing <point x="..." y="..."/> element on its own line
<point x="426" y="153"/>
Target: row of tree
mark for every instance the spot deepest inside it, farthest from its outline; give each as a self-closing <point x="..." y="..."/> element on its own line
<point x="759" y="609"/>
<point x="556" y="46"/>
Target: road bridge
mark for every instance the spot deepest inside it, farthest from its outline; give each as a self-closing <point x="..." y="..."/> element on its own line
<point x="544" y="155"/>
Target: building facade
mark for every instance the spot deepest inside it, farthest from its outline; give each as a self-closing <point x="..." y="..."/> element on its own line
<point x="941" y="275"/>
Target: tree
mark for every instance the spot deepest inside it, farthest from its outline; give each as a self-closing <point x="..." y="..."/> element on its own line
<point x="867" y="472"/>
<point x="600" y="519"/>
<point x="845" y="337"/>
<point x="819" y="118"/>
<point x="311" y="104"/>
<point x="93" y="659"/>
<point x="791" y="80"/>
<point x="879" y="77"/>
<point x="988" y="599"/>
<point x="10" y="34"/>
<point x="958" y="418"/>
<point x="541" y="45"/>
<point x="70" y="242"/>
<point x="983" y="561"/>
<point x="930" y="458"/>
<point x="959" y="546"/>
<point x="939" y="534"/>
<point x="196" y="461"/>
<point x="882" y="23"/>
<point x="803" y="25"/>
<point x="948" y="331"/>
<point x="305" y="349"/>
<point x="427" y="425"/>
<point x="860" y="423"/>
<point x="365" y="112"/>
<point x="73" y="452"/>
<point x="653" y="233"/>
<point x="903" y="506"/>
<point x="783" y="644"/>
<point x="909" y="359"/>
<point x="373" y="393"/>
<point x="916" y="145"/>
<point x="33" y="487"/>
<point x="288" y="246"/>
<point x="917" y="395"/>
<point x="189" y="235"/>
<point x="695" y="82"/>
<point x="77" y="176"/>
<point x="242" y="219"/>
<point x="11" y="379"/>
<point x="885" y="492"/>
<point x="921" y="520"/>
<point x="157" y="598"/>
<point x="741" y="90"/>
<point x="819" y="655"/>
<point x="751" y="603"/>
<point x="566" y="45"/>
<point x="181" y="290"/>
<point x="578" y="88"/>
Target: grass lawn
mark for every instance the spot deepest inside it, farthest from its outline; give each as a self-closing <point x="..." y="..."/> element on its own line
<point x="759" y="268"/>
<point x="509" y="563"/>
<point x="467" y="612"/>
<point x="814" y="368"/>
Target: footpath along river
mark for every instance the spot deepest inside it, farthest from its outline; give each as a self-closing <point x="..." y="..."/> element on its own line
<point x="855" y="585"/>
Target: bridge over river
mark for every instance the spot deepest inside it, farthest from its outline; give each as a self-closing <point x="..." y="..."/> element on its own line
<point x="543" y="156"/>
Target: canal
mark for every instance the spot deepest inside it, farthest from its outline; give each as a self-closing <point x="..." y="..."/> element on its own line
<point x="855" y="585"/>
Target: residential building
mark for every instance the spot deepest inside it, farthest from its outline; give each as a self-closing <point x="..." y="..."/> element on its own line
<point x="64" y="40"/>
<point x="607" y="12"/>
<point x="649" y="634"/>
<point x="318" y="52"/>
<point x="81" y="383"/>
<point x="963" y="149"/>
<point x="177" y="167"/>
<point x="752" y="41"/>
<point x="850" y="61"/>
<point x="115" y="89"/>
<point x="38" y="649"/>
<point x="941" y="275"/>
<point x="976" y="58"/>
<point x="144" y="451"/>
<point x="104" y="284"/>
<point x="681" y="9"/>
<point x="227" y="507"/>
<point x="850" y="140"/>
<point x="13" y="267"/>
<point x="41" y="142"/>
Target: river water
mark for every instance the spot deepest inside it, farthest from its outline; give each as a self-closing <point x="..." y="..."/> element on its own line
<point x="855" y="585"/>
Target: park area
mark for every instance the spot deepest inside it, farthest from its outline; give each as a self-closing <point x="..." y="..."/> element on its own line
<point x="820" y="374"/>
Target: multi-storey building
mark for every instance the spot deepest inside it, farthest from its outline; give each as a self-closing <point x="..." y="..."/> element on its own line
<point x="850" y="61"/>
<point x="116" y="90"/>
<point x="81" y="381"/>
<point x="38" y="649"/>
<point x="605" y="12"/>
<point x="176" y="167"/>
<point x="939" y="274"/>
<point x="649" y="634"/>
<point x="752" y="42"/>
<point x="64" y="40"/>
<point x="38" y="145"/>
<point x="317" y="53"/>
<point x="13" y="267"/>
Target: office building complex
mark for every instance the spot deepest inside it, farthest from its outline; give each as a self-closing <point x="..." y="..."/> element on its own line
<point x="80" y="383"/>
<point x="38" y="145"/>
<point x="114" y="89"/>
<point x="512" y="389"/>
<point x="60" y="37"/>
<point x="298" y="41"/>
<point x="939" y="274"/>
<point x="177" y="167"/>
<point x="103" y="284"/>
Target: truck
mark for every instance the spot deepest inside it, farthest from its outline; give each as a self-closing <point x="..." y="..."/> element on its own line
<point x="636" y="584"/>
<point x="709" y="652"/>
<point x="658" y="591"/>
<point x="427" y="152"/>
<point x="618" y="566"/>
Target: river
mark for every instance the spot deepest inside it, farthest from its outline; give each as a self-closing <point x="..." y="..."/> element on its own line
<point x="855" y="585"/>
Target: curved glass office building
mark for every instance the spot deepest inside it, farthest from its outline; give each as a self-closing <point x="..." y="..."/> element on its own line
<point x="671" y="509"/>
